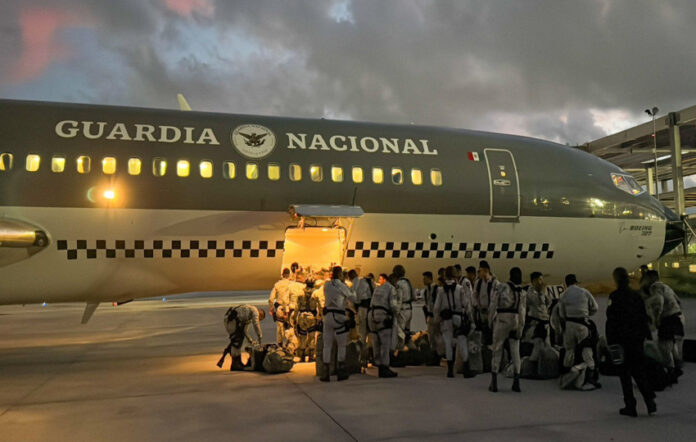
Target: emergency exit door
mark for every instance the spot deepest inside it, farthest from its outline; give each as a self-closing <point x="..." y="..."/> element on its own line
<point x="504" y="185"/>
<point x="315" y="247"/>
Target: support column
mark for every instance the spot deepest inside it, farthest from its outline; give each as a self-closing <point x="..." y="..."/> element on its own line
<point x="677" y="173"/>
<point x="651" y="180"/>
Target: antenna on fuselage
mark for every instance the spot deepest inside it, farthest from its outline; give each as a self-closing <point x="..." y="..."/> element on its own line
<point x="183" y="104"/>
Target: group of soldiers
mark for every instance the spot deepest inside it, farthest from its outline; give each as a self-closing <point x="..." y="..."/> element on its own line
<point x="461" y="308"/>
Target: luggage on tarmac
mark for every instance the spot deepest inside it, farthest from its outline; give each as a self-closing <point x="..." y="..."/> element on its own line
<point x="278" y="360"/>
<point x="479" y="354"/>
<point x="258" y="354"/>
<point x="547" y="367"/>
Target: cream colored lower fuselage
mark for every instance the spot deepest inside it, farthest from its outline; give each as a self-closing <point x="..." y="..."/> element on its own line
<point x="589" y="247"/>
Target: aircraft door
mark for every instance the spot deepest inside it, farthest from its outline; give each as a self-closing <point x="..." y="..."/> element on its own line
<point x="504" y="185"/>
<point x="315" y="247"/>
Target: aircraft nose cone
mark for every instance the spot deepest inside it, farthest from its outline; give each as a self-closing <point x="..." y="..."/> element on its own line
<point x="674" y="235"/>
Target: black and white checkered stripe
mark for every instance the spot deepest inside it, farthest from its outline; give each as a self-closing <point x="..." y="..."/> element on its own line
<point x="93" y="249"/>
<point x="449" y="250"/>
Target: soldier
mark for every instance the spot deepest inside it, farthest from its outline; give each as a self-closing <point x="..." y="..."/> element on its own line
<point x="336" y="324"/>
<point x="452" y="310"/>
<point x="383" y="311"/>
<point x="429" y="296"/>
<point x="306" y="323"/>
<point x="237" y="322"/>
<point x="537" y="321"/>
<point x="506" y="319"/>
<point x="483" y="288"/>
<point x="277" y="305"/>
<point x="574" y="309"/>
<point x="296" y="289"/>
<point x="363" y="289"/>
<point x="664" y="311"/>
<point x="405" y="295"/>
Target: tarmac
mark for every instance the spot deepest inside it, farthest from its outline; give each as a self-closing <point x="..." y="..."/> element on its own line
<point x="146" y="371"/>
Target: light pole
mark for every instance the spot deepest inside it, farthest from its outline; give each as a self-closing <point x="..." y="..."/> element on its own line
<point x="652" y="112"/>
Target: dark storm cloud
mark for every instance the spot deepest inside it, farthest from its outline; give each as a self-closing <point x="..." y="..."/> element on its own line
<point x="536" y="67"/>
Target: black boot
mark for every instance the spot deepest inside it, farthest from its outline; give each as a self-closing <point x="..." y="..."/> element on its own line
<point x="392" y="374"/>
<point x="450" y="369"/>
<point x="342" y="371"/>
<point x="325" y="373"/>
<point x="494" y="383"/>
<point x="237" y="364"/>
<point x="628" y="411"/>
<point x="516" y="383"/>
<point x="467" y="371"/>
<point x="593" y="378"/>
<point x="385" y="372"/>
<point x="652" y="406"/>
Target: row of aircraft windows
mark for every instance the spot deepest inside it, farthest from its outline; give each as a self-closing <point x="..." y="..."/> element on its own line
<point x="229" y="171"/>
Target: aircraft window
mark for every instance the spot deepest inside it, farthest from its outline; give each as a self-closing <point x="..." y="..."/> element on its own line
<point x="58" y="164"/>
<point x="33" y="162"/>
<point x="183" y="168"/>
<point x="416" y="177"/>
<point x="134" y="166"/>
<point x="377" y="175"/>
<point x="436" y="177"/>
<point x="295" y="172"/>
<point x="109" y="165"/>
<point x="273" y="172"/>
<point x="336" y="174"/>
<point x="228" y="170"/>
<point x="6" y="161"/>
<point x="357" y="174"/>
<point x="206" y="169"/>
<point x="627" y="183"/>
<point x="159" y="167"/>
<point x="397" y="176"/>
<point x="84" y="164"/>
<point x="252" y="171"/>
<point x="316" y="173"/>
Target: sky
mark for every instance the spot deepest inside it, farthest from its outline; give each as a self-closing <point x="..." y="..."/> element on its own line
<point x="569" y="71"/>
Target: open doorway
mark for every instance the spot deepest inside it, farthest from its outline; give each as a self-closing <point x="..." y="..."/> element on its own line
<point x="323" y="243"/>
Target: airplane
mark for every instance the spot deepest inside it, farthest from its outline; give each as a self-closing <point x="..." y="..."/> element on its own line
<point x="109" y="204"/>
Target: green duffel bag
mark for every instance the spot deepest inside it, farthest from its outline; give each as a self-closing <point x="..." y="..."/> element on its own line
<point x="278" y="360"/>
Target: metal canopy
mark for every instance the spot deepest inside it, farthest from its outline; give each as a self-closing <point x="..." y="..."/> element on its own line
<point x="326" y="211"/>
<point x="632" y="150"/>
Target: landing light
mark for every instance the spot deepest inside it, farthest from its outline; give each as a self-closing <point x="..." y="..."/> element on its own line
<point x="109" y="194"/>
<point x="44" y="304"/>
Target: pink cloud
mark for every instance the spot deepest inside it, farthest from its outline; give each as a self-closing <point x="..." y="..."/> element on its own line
<point x="186" y="8"/>
<point x="39" y="47"/>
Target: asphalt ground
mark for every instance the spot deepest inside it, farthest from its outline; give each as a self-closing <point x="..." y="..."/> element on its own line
<point x="146" y="371"/>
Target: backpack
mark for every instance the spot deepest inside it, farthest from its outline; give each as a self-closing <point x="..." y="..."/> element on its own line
<point x="278" y="360"/>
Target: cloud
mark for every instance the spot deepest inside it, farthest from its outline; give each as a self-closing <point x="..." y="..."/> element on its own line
<point x="40" y="47"/>
<point x="186" y="8"/>
<point x="563" y="71"/>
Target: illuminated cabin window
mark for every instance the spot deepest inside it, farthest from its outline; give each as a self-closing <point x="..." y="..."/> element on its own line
<point x="134" y="166"/>
<point x="295" y="172"/>
<point x="316" y="173"/>
<point x="357" y="174"/>
<point x="159" y="167"/>
<point x="377" y="175"/>
<point x="33" y="162"/>
<point x="416" y="177"/>
<point x="397" y="176"/>
<point x="273" y="172"/>
<point x="228" y="170"/>
<point x="252" y="171"/>
<point x="6" y="160"/>
<point x="58" y="164"/>
<point x="206" y="169"/>
<point x="336" y="174"/>
<point x="84" y="164"/>
<point x="109" y="165"/>
<point x="183" y="168"/>
<point x="436" y="177"/>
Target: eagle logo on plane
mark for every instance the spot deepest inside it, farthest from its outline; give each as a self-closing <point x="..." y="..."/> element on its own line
<point x="253" y="140"/>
